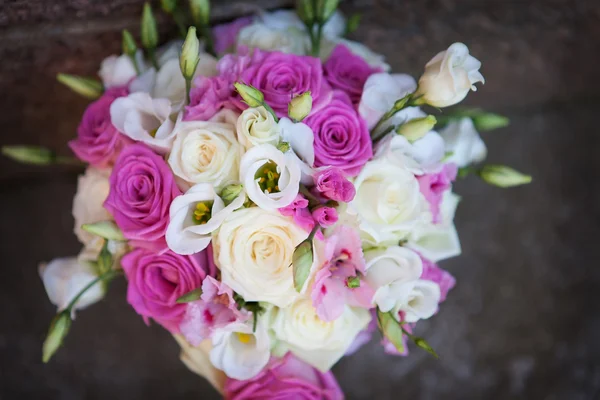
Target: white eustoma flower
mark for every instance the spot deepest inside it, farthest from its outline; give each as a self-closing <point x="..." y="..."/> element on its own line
<point x="463" y="143"/>
<point x="260" y="36"/>
<point x="319" y="343"/>
<point x="92" y="190"/>
<point x="64" y="278"/>
<point x="265" y="164"/>
<point x="144" y="119"/>
<point x="388" y="201"/>
<point x="256" y="126"/>
<point x="421" y="302"/>
<point x="301" y="139"/>
<point x="184" y="234"/>
<point x="206" y="151"/>
<point x="240" y="352"/>
<point x="439" y="241"/>
<point x="380" y="92"/>
<point x="253" y="249"/>
<point x="392" y="273"/>
<point x="449" y="76"/>
<point x="119" y="70"/>
<point x="419" y="157"/>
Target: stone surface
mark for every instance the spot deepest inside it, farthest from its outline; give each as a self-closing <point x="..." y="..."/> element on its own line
<point x="524" y="319"/>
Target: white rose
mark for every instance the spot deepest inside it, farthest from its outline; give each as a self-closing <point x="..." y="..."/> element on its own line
<point x="439" y="241"/>
<point x="88" y="203"/>
<point x="391" y="272"/>
<point x="419" y="157"/>
<point x="258" y="35"/>
<point x="464" y="142"/>
<point x="64" y="278"/>
<point x="270" y="177"/>
<point x="253" y="249"/>
<point x="117" y="70"/>
<point x="421" y="302"/>
<point x="239" y="351"/>
<point x="449" y="76"/>
<point x="144" y="119"/>
<point x="317" y="342"/>
<point x="380" y="92"/>
<point x="184" y="235"/>
<point x="206" y="151"/>
<point x="198" y="361"/>
<point x="256" y="126"/>
<point x="388" y="201"/>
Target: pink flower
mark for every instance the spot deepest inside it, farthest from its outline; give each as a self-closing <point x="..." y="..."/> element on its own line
<point x="298" y="209"/>
<point x="155" y="282"/>
<point x="333" y="185"/>
<point x="285" y="379"/>
<point x="325" y="216"/>
<point x="207" y="97"/>
<point x="341" y="137"/>
<point x="347" y="72"/>
<point x="431" y="272"/>
<point x="142" y="188"/>
<point x="433" y="187"/>
<point x="339" y="281"/>
<point x="225" y="35"/>
<point x="281" y="76"/>
<point x="215" y="309"/>
<point x="98" y="142"/>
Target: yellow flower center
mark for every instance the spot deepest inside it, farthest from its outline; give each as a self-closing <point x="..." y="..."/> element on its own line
<point x="244" y="337"/>
<point x="268" y="177"/>
<point x="203" y="212"/>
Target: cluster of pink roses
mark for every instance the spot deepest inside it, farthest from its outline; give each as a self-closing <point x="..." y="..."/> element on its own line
<point x="273" y="209"/>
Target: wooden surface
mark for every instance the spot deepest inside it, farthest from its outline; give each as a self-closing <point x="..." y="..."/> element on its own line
<point x="523" y="321"/>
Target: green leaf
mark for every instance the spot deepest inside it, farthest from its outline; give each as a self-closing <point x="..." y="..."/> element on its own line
<point x="105" y="229"/>
<point x="59" y="328"/>
<point x="391" y="329"/>
<point x="192" y="295"/>
<point x="87" y="87"/>
<point x="503" y="176"/>
<point x="29" y="154"/>
<point x="302" y="261"/>
<point x="420" y="342"/>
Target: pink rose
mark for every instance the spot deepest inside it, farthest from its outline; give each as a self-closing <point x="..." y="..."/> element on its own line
<point x="215" y="309"/>
<point x="347" y="72"/>
<point x="155" y="282"/>
<point x="208" y="96"/>
<point x="284" y="379"/>
<point x="333" y="185"/>
<point x="341" y="137"/>
<point x="98" y="142"/>
<point x="431" y="272"/>
<point x="281" y="76"/>
<point x="433" y="186"/>
<point x="225" y="35"/>
<point x="142" y="188"/>
<point x="325" y="216"/>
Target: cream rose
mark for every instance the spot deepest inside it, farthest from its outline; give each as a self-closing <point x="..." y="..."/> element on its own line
<point x="270" y="177"/>
<point x="256" y="126"/>
<point x="240" y="351"/>
<point x="92" y="190"/>
<point x="388" y="201"/>
<point x="206" y="151"/>
<point x="198" y="361"/>
<point x="253" y="249"/>
<point x="449" y="76"/>
<point x="392" y="272"/>
<point x="321" y="344"/>
<point x="185" y="235"/>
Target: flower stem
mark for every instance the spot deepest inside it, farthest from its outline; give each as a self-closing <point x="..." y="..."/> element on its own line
<point x="188" y="88"/>
<point x="105" y="276"/>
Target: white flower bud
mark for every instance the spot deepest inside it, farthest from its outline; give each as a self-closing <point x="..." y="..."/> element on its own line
<point x="188" y="60"/>
<point x="503" y="176"/>
<point x="300" y="106"/>
<point x="415" y="129"/>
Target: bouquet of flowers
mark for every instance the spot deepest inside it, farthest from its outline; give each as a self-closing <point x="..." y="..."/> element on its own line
<point x="272" y="193"/>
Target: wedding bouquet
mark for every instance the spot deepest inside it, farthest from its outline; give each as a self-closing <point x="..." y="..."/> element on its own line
<point x="272" y="194"/>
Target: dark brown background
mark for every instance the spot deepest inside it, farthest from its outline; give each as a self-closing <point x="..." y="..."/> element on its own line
<point x="523" y="321"/>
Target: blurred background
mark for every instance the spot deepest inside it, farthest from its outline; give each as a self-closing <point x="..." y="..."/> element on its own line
<point x="524" y="319"/>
